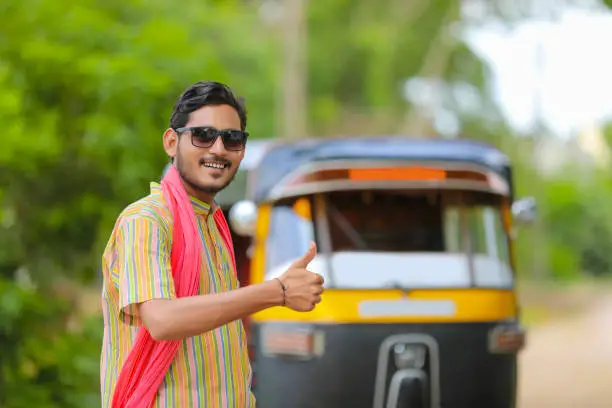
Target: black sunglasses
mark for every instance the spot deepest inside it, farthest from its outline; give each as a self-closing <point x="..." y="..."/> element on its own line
<point x="206" y="136"/>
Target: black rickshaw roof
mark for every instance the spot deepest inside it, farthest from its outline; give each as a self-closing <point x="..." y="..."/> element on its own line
<point x="283" y="157"/>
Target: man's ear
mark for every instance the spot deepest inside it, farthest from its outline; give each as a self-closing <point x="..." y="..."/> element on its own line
<point x="170" y="140"/>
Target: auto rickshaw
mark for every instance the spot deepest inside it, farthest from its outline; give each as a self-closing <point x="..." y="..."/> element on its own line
<point x="414" y="240"/>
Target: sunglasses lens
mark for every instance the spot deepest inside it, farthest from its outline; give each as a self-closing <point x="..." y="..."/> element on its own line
<point x="203" y="137"/>
<point x="234" y="139"/>
<point x="206" y="137"/>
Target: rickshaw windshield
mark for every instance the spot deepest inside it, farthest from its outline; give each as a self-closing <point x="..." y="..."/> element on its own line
<point x="396" y="238"/>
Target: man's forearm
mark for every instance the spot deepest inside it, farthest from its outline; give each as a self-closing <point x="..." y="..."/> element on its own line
<point x="190" y="316"/>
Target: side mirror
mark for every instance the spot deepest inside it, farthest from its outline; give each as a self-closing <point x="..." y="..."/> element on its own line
<point x="243" y="217"/>
<point x="525" y="211"/>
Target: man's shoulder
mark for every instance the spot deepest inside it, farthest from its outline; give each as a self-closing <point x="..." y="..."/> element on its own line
<point x="152" y="207"/>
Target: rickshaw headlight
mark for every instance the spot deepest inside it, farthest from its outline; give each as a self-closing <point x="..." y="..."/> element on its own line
<point x="409" y="355"/>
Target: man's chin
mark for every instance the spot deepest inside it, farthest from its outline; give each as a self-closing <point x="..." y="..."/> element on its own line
<point x="212" y="188"/>
<point x="207" y="185"/>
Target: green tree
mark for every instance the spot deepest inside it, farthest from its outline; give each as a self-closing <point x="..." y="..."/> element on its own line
<point x="86" y="88"/>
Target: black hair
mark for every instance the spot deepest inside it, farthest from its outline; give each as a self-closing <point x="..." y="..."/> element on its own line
<point x="205" y="93"/>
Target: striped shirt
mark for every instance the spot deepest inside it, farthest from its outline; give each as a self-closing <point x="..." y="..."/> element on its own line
<point x="211" y="370"/>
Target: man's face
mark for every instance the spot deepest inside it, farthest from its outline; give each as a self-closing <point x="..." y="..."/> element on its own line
<point x="205" y="170"/>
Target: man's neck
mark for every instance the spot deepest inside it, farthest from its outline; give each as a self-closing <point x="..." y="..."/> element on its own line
<point x="205" y="197"/>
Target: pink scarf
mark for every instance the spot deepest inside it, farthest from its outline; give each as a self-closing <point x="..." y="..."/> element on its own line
<point x="149" y="360"/>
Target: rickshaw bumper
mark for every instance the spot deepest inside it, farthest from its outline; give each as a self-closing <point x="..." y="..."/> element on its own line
<point x="370" y="365"/>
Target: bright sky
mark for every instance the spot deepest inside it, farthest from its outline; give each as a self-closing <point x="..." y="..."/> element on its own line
<point x="575" y="77"/>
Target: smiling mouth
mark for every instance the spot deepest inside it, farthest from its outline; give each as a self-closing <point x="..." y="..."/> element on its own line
<point x="214" y="164"/>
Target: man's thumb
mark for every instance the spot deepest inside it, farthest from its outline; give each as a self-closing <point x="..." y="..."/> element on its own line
<point x="307" y="258"/>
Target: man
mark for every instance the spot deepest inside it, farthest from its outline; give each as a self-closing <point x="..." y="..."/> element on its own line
<point x="173" y="335"/>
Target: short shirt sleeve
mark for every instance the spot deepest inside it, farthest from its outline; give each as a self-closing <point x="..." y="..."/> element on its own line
<point x="143" y="265"/>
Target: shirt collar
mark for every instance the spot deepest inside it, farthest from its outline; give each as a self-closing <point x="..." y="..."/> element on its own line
<point x="199" y="206"/>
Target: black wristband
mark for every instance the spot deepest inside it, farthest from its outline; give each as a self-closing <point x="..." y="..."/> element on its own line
<point x="283" y="288"/>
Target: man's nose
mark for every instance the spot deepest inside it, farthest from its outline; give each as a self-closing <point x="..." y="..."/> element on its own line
<point x="218" y="147"/>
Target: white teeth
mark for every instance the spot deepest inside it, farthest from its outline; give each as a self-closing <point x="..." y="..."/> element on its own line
<point x="214" y="165"/>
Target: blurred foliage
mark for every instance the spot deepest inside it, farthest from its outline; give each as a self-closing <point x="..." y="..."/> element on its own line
<point x="86" y="90"/>
<point x="579" y="222"/>
<point x="44" y="364"/>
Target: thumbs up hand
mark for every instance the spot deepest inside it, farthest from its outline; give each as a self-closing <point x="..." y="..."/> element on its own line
<point x="303" y="288"/>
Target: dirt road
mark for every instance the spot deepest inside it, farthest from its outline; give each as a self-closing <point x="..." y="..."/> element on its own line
<point x="568" y="361"/>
